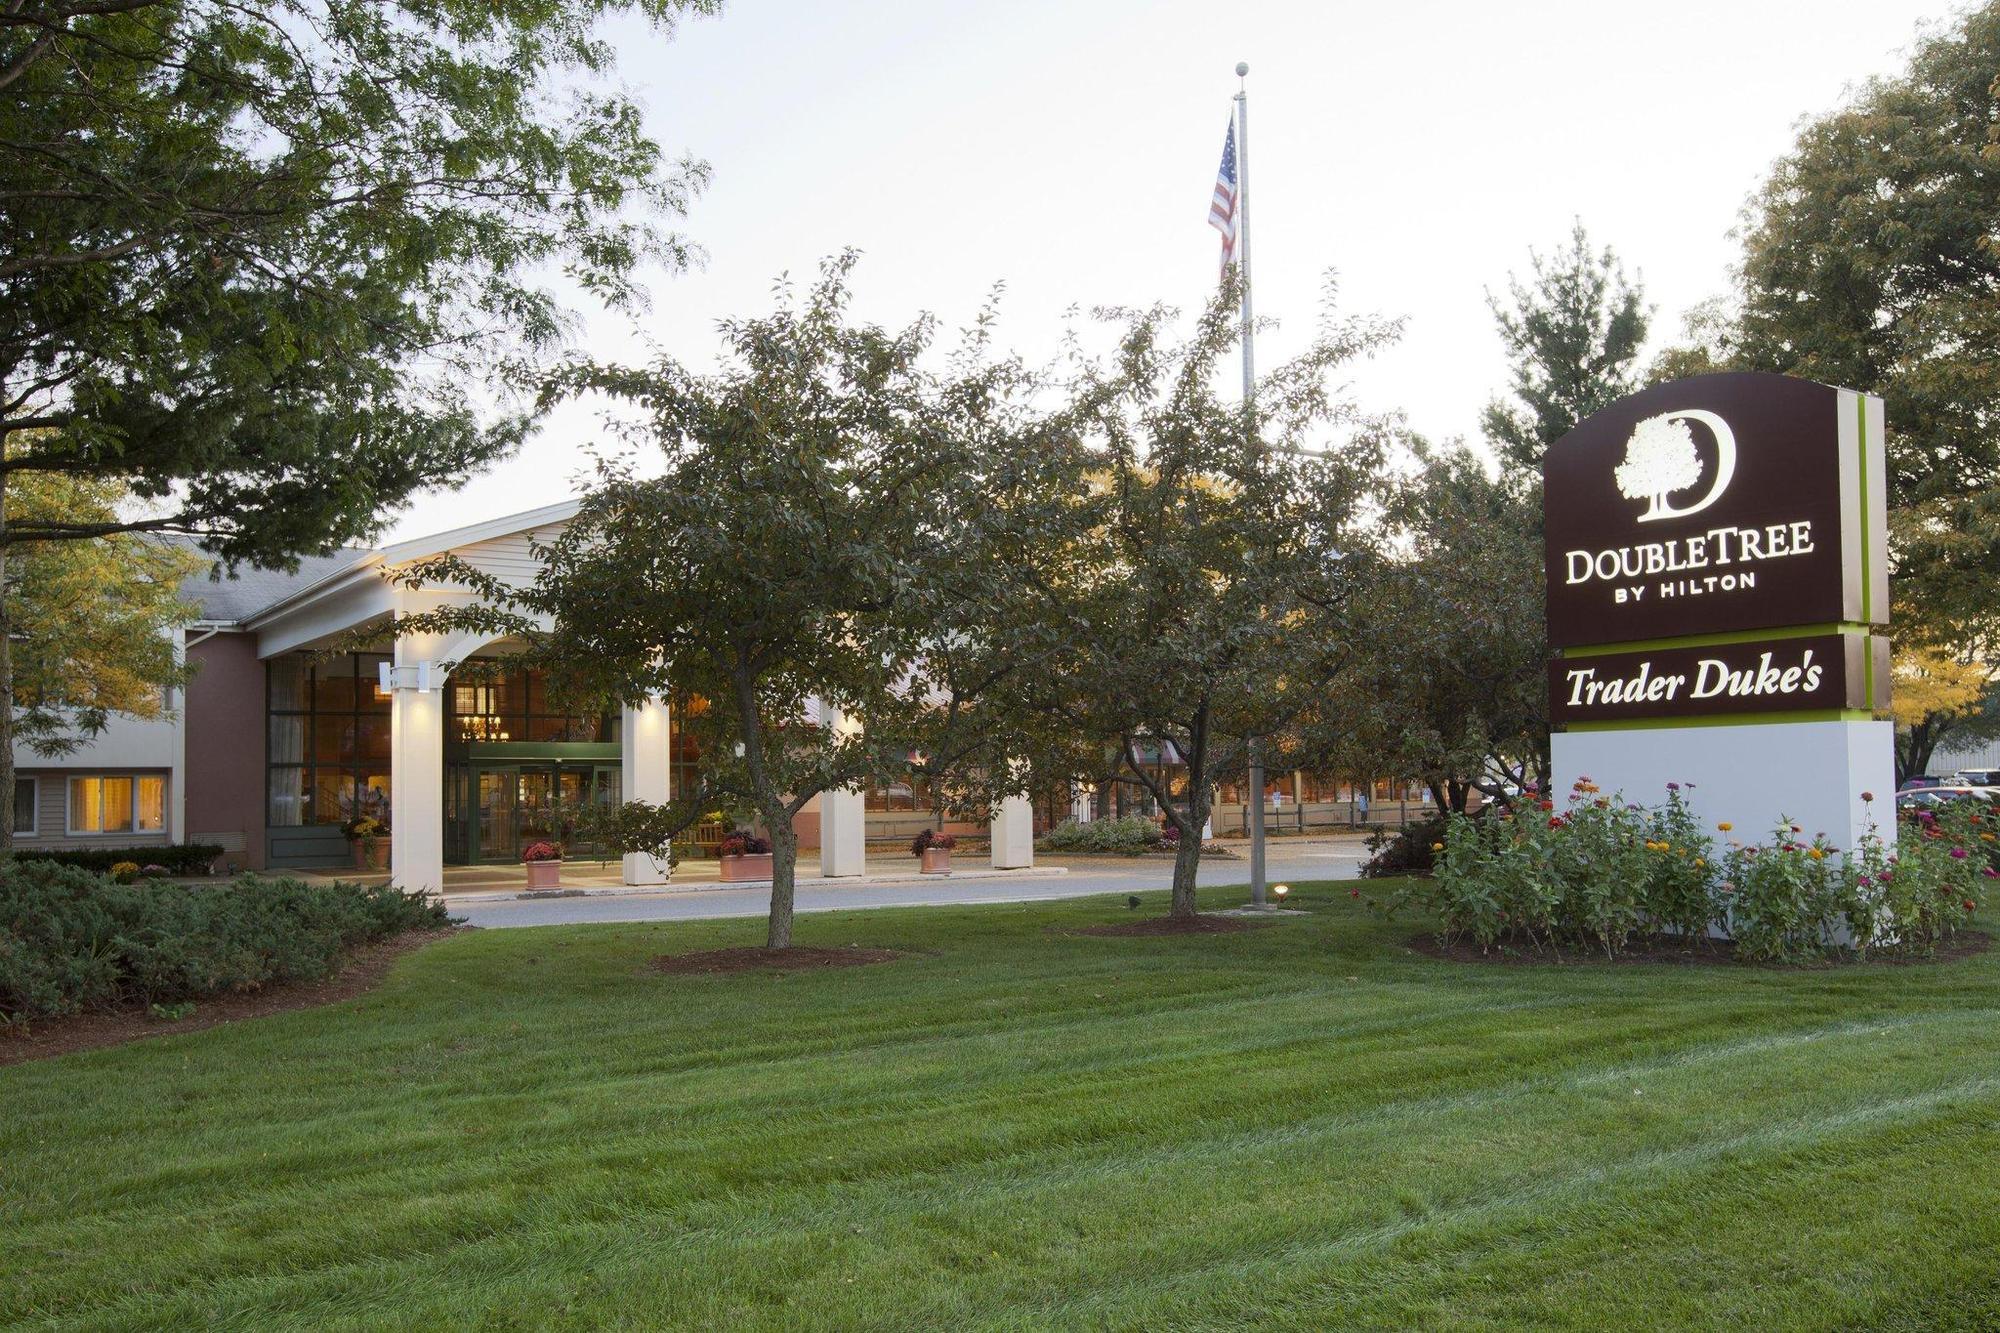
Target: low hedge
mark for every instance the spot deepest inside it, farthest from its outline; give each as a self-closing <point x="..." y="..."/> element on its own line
<point x="181" y="858"/>
<point x="1135" y="833"/>
<point x="71" y="941"/>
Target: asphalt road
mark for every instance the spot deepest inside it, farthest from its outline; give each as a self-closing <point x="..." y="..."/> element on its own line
<point x="1300" y="859"/>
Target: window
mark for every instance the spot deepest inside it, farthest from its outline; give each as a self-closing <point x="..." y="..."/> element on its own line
<point x="114" y="804"/>
<point x="27" y="793"/>
<point x="327" y="742"/>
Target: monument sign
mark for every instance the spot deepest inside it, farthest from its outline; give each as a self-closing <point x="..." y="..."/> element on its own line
<point x="1717" y="571"/>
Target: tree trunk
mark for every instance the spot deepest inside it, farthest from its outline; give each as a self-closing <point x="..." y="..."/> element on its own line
<point x="784" y="878"/>
<point x="1187" y="856"/>
<point x="6" y="694"/>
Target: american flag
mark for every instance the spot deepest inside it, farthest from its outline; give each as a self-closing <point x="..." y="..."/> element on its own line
<point x="1222" y="209"/>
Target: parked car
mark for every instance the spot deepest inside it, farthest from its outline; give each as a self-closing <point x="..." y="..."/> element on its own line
<point x="1929" y="798"/>
<point x="1977" y="777"/>
<point x="1919" y="782"/>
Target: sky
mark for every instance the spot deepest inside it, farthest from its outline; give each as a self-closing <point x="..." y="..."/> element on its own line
<point x="1069" y="150"/>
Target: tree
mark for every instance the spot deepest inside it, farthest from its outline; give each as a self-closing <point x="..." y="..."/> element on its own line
<point x="264" y="264"/>
<point x="1659" y="458"/>
<point x="789" y="580"/>
<point x="1938" y="696"/>
<point x="1573" y="336"/>
<point x="1872" y="261"/>
<point x="1449" y="687"/>
<point x="1222" y="555"/>
<point x="95" y="620"/>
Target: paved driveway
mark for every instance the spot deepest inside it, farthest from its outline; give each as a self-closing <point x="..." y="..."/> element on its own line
<point x="1286" y="858"/>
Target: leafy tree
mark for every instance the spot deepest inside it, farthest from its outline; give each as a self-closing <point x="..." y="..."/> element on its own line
<point x="797" y="580"/>
<point x="1573" y="335"/>
<point x="1872" y="261"/>
<point x="262" y="262"/>
<point x="1450" y="687"/>
<point x="93" y="621"/>
<point x="1939" y="696"/>
<point x="1222" y="556"/>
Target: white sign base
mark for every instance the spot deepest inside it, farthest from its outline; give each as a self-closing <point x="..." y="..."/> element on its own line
<point x="1812" y="773"/>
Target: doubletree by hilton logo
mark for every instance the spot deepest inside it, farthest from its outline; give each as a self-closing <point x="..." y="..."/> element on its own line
<point x="1661" y="459"/>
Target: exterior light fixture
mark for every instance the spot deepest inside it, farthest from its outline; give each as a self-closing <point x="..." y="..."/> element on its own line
<point x="1279" y="891"/>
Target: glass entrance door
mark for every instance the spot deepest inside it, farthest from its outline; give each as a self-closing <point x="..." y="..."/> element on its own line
<point x="515" y="805"/>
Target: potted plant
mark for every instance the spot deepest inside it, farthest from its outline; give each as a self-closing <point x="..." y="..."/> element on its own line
<point x="745" y="856"/>
<point x="933" y="851"/>
<point x="365" y="840"/>
<point x="543" y="861"/>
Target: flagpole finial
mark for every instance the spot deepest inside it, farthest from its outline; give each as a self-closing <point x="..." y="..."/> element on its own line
<point x="1242" y="68"/>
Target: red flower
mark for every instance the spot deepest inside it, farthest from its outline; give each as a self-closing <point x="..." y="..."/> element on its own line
<point x="1555" y="821"/>
<point x="1354" y="893"/>
<point x="1971" y="906"/>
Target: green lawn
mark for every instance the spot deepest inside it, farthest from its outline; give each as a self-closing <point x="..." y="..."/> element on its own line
<point x="1303" y="1127"/>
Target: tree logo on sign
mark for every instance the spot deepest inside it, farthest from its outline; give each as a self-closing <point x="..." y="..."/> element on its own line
<point x="1662" y="458"/>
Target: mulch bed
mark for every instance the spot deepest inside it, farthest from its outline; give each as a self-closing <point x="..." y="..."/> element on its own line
<point x="710" y="962"/>
<point x="44" y="1038"/>
<point x="1177" y="925"/>
<point x="1672" y="951"/>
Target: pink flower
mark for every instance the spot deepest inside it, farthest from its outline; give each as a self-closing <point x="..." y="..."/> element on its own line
<point x="1867" y="795"/>
<point x="1958" y="853"/>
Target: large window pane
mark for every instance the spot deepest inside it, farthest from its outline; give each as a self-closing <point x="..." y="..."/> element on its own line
<point x="374" y="699"/>
<point x="86" y="805"/>
<point x="288" y="797"/>
<point x="289" y="683"/>
<point x="26" y="792"/>
<point x="333" y="738"/>
<point x="117" y="805"/>
<point x="288" y="739"/>
<point x="329" y="796"/>
<point x="152" y="804"/>
<point x="336" y="689"/>
<point x="373" y="743"/>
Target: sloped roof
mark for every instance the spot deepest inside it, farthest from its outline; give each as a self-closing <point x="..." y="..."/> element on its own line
<point x="231" y="598"/>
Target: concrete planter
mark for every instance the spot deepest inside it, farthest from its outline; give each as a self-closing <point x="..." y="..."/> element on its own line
<point x="735" y="868"/>
<point x="935" y="860"/>
<point x="543" y="874"/>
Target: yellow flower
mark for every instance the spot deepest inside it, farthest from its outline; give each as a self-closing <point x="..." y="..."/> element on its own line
<point x="1700" y="862"/>
<point x="1816" y="854"/>
<point x="1986" y="837"/>
<point x="1437" y="846"/>
<point x="1725" y="826"/>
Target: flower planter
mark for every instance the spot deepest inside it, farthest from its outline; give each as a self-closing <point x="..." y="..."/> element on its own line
<point x="543" y="874"/>
<point x="935" y="860"/>
<point x="754" y="866"/>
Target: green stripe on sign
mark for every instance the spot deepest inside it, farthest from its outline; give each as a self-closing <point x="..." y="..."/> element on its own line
<point x="1867" y="568"/>
<point x="1733" y="720"/>
<point x="1712" y="640"/>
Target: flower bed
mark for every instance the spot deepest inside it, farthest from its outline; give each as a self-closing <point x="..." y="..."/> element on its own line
<point x="1600" y="872"/>
<point x="72" y="941"/>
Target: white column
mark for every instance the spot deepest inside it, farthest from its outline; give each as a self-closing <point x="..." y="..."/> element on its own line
<point x="1013" y="832"/>
<point x="643" y="759"/>
<point x="843" y="820"/>
<point x="1082" y="802"/>
<point x="416" y="771"/>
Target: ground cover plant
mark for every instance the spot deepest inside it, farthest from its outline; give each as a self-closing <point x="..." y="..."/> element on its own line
<point x="1600" y="873"/>
<point x="181" y="858"/>
<point x="72" y="941"/>
<point x="1133" y="834"/>
<point x="1014" y="1125"/>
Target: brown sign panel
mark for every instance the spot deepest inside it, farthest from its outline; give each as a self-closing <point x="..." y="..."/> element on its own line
<point x="1820" y="671"/>
<point x="1718" y="503"/>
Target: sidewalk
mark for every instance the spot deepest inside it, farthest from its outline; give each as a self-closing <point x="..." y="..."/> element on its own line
<point x="591" y="879"/>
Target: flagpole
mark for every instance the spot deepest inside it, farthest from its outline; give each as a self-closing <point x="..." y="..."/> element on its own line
<point x="1253" y="809"/>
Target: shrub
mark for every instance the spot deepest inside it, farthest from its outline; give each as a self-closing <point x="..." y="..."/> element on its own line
<point x="1410" y="850"/>
<point x="72" y="941"/>
<point x="1600" y="870"/>
<point x="182" y="858"/>
<point x="1133" y="834"/>
<point x="743" y="843"/>
<point x="930" y="840"/>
